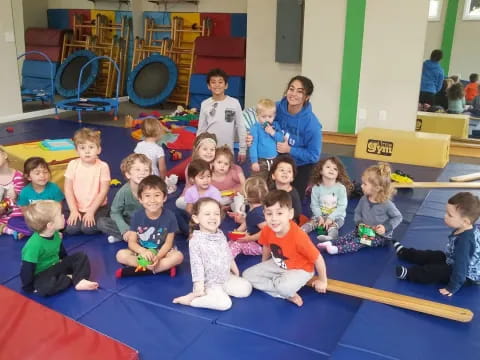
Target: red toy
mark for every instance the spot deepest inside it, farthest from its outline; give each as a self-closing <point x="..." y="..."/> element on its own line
<point x="235" y="235"/>
<point x="9" y="129"/>
<point x="175" y="155"/>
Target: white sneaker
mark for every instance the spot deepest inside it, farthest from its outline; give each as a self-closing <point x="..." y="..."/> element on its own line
<point x="112" y="239"/>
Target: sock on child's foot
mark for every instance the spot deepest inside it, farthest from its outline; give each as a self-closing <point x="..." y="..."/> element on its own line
<point x="332" y="249"/>
<point x="401" y="272"/>
<point x="324" y="245"/>
<point x="112" y="239"/>
<point x="398" y="247"/>
<point x="7" y="230"/>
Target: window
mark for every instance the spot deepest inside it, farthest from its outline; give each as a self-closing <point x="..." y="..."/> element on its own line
<point x="435" y="10"/>
<point x="471" y="10"/>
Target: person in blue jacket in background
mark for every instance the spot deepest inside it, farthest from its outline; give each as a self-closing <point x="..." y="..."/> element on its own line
<point x="432" y="78"/>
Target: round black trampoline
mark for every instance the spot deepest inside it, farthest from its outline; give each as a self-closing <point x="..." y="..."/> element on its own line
<point x="66" y="80"/>
<point x="152" y="81"/>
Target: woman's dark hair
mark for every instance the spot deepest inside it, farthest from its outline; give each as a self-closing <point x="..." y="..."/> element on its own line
<point x="306" y="83"/>
<point x="436" y="55"/>
<point x="31" y="164"/>
<point x="455" y="92"/>
<point x="284" y="158"/>
<point x="196" y="167"/>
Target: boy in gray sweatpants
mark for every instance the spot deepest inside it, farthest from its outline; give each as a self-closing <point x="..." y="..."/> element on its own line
<point x="289" y="257"/>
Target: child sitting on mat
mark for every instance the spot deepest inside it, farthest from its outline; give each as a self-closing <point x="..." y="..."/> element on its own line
<point x="87" y="181"/>
<point x="225" y="174"/>
<point x="135" y="168"/>
<point x="46" y="267"/>
<point x="152" y="132"/>
<point x="375" y="209"/>
<point x="152" y="232"/>
<point x="289" y="258"/>
<point x="11" y="183"/>
<point x="215" y="274"/>
<point x="460" y="264"/>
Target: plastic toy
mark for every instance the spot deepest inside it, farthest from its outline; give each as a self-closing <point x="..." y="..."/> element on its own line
<point x="238" y="204"/>
<point x="175" y="155"/>
<point x="115" y="182"/>
<point x="366" y="234"/>
<point x="9" y="129"/>
<point x="229" y="193"/>
<point x="321" y="230"/>
<point x="400" y="177"/>
<point x="57" y="144"/>
<point x="171" y="182"/>
<point x="143" y="263"/>
<point x="235" y="235"/>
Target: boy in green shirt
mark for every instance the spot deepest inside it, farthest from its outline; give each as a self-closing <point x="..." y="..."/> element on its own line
<point x="46" y="267"/>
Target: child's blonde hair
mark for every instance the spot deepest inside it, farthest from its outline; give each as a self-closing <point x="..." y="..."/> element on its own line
<point x="255" y="189"/>
<point x="265" y="104"/>
<point x="151" y="127"/>
<point x="127" y="163"/>
<point x="225" y="151"/>
<point x="83" y="135"/>
<point x="380" y="177"/>
<point x="202" y="139"/>
<point x="40" y="213"/>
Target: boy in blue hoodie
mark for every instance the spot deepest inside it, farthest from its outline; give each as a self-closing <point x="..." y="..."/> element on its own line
<point x="432" y="78"/>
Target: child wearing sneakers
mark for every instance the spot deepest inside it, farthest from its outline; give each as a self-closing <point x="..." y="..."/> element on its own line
<point x="289" y="258"/>
<point x="375" y="209"/>
<point x="222" y="115"/>
<point x="329" y="197"/>
<point x="135" y="167"/>
<point x="460" y="264"/>
<point x="87" y="181"/>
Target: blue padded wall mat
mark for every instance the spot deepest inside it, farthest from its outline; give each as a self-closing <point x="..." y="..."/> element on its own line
<point x="236" y="85"/>
<point x="220" y="342"/>
<point x="345" y="352"/>
<point x="406" y="334"/>
<point x="10" y="257"/>
<point x="156" y="332"/>
<point x="58" y="19"/>
<point x="238" y="25"/>
<point x="436" y="200"/>
<point x="160" y="18"/>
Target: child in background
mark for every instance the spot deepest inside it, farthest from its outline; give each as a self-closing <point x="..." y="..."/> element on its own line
<point x="225" y="174"/>
<point x="281" y="176"/>
<point x="329" y="197"/>
<point x="264" y="145"/>
<point x="460" y="264"/>
<point x="135" y="168"/>
<point x="39" y="187"/>
<point x="152" y="132"/>
<point x="471" y="89"/>
<point x="215" y="274"/>
<point x="87" y="181"/>
<point x="441" y="97"/>
<point x="203" y="148"/>
<point x="289" y="258"/>
<point x="151" y="228"/>
<point x="255" y="191"/>
<point x="11" y="183"/>
<point x="455" y="78"/>
<point x="46" y="267"/>
<point x="374" y="209"/>
<point x="222" y="114"/>
<point x="476" y="104"/>
<point x="456" y="99"/>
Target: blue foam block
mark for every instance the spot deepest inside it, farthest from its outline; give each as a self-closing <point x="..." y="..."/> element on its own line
<point x="10" y="257"/>
<point x="220" y="342"/>
<point x="238" y="25"/>
<point x="154" y="331"/>
<point x="38" y="69"/>
<point x="58" y="19"/>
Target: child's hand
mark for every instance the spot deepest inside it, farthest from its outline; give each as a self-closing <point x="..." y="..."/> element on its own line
<point x="241" y="158"/>
<point x="238" y="218"/>
<point x="328" y="223"/>
<point x="320" y="221"/>
<point x="148" y="255"/>
<point x="88" y="219"/>
<point x="380" y="229"/>
<point x="255" y="167"/>
<point x="283" y="147"/>
<point x="249" y="140"/>
<point x="155" y="261"/>
<point x="445" y="292"/>
<point x="320" y="285"/>
<point x="73" y="218"/>
<point x="270" y="130"/>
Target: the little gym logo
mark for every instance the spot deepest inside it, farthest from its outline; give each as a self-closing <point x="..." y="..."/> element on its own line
<point x="379" y="147"/>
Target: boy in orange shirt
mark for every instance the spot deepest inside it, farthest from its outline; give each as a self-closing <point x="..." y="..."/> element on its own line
<point x="289" y="257"/>
<point x="471" y="90"/>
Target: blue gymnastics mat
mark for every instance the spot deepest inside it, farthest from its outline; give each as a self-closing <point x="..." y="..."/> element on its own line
<point x="402" y="334"/>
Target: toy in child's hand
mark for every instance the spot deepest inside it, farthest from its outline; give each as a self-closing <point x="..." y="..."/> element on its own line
<point x="400" y="177"/>
<point x="235" y="235"/>
<point x="175" y="155"/>
<point x="115" y="182"/>
<point x="321" y="230"/>
<point x="5" y="203"/>
<point x="238" y="204"/>
<point x="142" y="263"/>
<point x="171" y="182"/>
<point x="229" y="193"/>
<point x="366" y="234"/>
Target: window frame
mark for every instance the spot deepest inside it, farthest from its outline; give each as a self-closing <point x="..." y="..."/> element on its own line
<point x="466" y="12"/>
<point x="438" y="16"/>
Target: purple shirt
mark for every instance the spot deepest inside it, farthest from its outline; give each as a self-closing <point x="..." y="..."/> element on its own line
<point x="191" y="195"/>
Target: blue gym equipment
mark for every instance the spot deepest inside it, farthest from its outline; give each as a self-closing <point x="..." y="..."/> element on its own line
<point x="37" y="78"/>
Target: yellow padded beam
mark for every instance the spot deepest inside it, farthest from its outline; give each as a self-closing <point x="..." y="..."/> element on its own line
<point x="455" y="125"/>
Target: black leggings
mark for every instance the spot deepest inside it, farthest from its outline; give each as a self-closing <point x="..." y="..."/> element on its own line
<point x="431" y="266"/>
<point x="302" y="179"/>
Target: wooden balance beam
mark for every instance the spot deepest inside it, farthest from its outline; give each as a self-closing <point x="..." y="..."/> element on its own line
<point x="398" y="300"/>
<point x="465" y="178"/>
<point x="438" y="185"/>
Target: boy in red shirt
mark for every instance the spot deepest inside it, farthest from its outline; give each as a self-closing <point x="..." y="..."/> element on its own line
<point x="471" y="90"/>
<point x="289" y="257"/>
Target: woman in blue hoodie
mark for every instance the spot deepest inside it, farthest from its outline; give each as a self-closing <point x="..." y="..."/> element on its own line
<point x="301" y="129"/>
<point x="432" y="78"/>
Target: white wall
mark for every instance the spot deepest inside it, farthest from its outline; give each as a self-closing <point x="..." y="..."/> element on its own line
<point x="265" y="78"/>
<point x="391" y="62"/>
<point x="10" y="101"/>
<point x="433" y="39"/>
<point x="323" y="36"/>
<point x="35" y="13"/>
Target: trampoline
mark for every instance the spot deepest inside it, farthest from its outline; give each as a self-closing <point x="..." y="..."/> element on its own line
<point x="39" y="94"/>
<point x="68" y="74"/>
<point x="152" y="81"/>
<point x="79" y="104"/>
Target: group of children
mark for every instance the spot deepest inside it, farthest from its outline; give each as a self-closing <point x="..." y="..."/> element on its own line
<point x="138" y="215"/>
